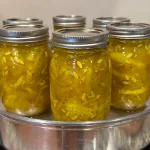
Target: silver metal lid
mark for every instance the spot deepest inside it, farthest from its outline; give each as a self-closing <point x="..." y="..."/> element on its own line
<point x="80" y="38"/>
<point x="23" y="33"/>
<point x="129" y="30"/>
<point x="67" y="21"/>
<point x="16" y="21"/>
<point x="102" y="22"/>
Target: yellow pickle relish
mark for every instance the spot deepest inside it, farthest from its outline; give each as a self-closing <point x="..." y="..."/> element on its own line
<point x="24" y="69"/>
<point x="129" y="47"/>
<point x="102" y="22"/>
<point x="70" y="21"/>
<point x="80" y="75"/>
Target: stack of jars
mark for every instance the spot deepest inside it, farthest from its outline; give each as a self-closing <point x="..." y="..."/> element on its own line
<point x="83" y="76"/>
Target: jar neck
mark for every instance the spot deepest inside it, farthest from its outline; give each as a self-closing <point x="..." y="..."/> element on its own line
<point x="129" y="41"/>
<point x="24" y="44"/>
<point x="78" y="51"/>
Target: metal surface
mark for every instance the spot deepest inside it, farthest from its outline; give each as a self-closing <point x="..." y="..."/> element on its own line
<point x="146" y="147"/>
<point x="16" y="21"/>
<point x="129" y="30"/>
<point x="122" y="131"/>
<point x="68" y="21"/>
<point x="23" y="33"/>
<point x="80" y="38"/>
<point x="102" y="22"/>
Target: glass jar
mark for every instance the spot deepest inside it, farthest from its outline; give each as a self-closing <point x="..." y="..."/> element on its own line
<point x="80" y="75"/>
<point x="24" y="68"/>
<point x="71" y="21"/>
<point x="102" y="22"/>
<point x="130" y="56"/>
<point x="16" y="21"/>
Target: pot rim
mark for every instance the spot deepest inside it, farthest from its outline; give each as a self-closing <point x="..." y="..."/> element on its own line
<point x="92" y="124"/>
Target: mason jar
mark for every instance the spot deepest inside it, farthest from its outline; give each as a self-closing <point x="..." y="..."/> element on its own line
<point x="24" y="68"/>
<point x="129" y="46"/>
<point x="16" y="21"/>
<point x="70" y="21"/>
<point x="80" y="75"/>
<point x="102" y="22"/>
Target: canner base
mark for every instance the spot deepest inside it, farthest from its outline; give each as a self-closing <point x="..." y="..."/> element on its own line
<point x="122" y="130"/>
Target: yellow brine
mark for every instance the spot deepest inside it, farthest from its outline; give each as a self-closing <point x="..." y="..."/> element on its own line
<point x="80" y="81"/>
<point x="131" y="71"/>
<point x="25" y="75"/>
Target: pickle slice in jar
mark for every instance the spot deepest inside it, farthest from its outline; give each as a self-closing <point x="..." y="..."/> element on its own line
<point x="137" y="91"/>
<point x="117" y="57"/>
<point x="88" y="79"/>
<point x="35" y="55"/>
<point x="77" y="112"/>
<point x="16" y="101"/>
<point x="120" y="75"/>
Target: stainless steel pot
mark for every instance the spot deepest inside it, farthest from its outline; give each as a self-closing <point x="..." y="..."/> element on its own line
<point x="122" y="131"/>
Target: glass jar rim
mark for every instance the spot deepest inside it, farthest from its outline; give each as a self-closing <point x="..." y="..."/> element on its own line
<point x="24" y="33"/>
<point x="69" y="20"/>
<point x="102" y="22"/>
<point x="80" y="38"/>
<point x="15" y="21"/>
<point x="128" y="30"/>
